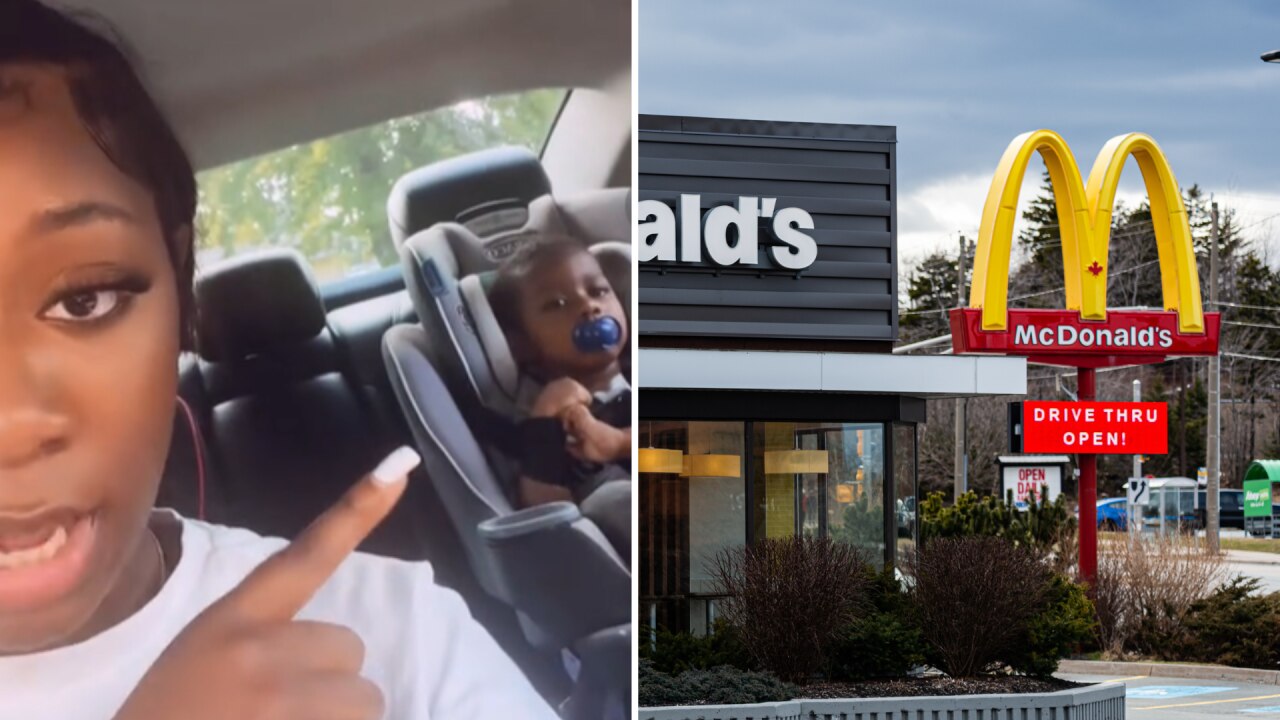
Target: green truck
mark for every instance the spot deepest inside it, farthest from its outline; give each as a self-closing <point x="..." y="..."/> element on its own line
<point x="1260" y="508"/>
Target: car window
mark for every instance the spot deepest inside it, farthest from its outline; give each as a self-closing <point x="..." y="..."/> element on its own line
<point x="328" y="198"/>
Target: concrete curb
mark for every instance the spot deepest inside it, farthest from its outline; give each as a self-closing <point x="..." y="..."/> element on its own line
<point x="1170" y="670"/>
<point x="1251" y="557"/>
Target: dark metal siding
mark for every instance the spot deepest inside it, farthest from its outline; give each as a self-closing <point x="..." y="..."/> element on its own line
<point x="780" y="406"/>
<point x="845" y="176"/>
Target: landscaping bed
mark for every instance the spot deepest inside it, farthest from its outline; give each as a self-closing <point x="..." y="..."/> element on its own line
<point x="809" y="619"/>
<point x="916" y="687"/>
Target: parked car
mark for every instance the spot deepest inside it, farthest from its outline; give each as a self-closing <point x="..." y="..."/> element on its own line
<point x="1230" y="508"/>
<point x="1113" y="514"/>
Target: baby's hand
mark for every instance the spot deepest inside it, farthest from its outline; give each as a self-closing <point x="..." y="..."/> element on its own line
<point x="560" y="395"/>
<point x="592" y="440"/>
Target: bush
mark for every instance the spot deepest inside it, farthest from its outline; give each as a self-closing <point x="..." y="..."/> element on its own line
<point x="976" y="599"/>
<point x="1065" y="622"/>
<point x="884" y="643"/>
<point x="727" y="685"/>
<point x="788" y="599"/>
<point x="672" y="652"/>
<point x="1047" y="528"/>
<point x="658" y="689"/>
<point x="1144" y="589"/>
<point x="720" y="685"/>
<point x="1234" y="626"/>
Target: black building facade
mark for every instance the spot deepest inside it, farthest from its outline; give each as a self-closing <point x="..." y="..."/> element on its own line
<point x="771" y="404"/>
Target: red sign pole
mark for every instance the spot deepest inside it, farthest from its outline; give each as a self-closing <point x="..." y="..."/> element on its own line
<point x="1088" y="492"/>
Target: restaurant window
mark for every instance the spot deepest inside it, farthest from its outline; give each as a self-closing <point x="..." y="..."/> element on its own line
<point x="706" y="487"/>
<point x="691" y="508"/>
<point x="820" y="480"/>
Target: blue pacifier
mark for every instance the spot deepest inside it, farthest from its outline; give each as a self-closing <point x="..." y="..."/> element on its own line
<point x="597" y="335"/>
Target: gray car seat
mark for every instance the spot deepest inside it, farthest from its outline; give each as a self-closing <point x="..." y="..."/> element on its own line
<point x="454" y="223"/>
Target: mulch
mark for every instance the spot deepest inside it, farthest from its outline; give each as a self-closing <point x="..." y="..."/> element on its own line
<point x="911" y="687"/>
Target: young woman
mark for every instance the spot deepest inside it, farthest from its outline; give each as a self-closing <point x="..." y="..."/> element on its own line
<point x="109" y="608"/>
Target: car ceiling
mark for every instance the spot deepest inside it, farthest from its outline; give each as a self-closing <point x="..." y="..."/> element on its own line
<point x="243" y="77"/>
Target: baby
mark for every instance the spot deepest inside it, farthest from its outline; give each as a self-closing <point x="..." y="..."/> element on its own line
<point x="567" y="329"/>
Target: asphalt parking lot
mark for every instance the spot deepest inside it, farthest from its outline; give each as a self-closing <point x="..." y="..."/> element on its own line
<point x="1183" y="699"/>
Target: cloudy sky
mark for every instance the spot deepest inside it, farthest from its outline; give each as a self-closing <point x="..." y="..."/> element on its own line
<point x="961" y="79"/>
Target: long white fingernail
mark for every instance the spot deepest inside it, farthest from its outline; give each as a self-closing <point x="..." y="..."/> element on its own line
<point x="396" y="465"/>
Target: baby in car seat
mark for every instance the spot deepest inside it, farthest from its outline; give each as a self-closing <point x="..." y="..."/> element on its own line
<point x="567" y="330"/>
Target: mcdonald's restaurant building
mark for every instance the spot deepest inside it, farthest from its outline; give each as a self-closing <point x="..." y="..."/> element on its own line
<point x="771" y="404"/>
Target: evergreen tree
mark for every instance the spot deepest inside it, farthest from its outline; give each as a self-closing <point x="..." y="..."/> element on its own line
<point x="1133" y="274"/>
<point x="1251" y="334"/>
<point x="931" y="293"/>
<point x="1041" y="243"/>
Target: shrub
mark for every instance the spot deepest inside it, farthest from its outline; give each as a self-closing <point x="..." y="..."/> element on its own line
<point x="1047" y="528"/>
<point x="658" y="688"/>
<point x="1234" y="626"/>
<point x="720" y="685"/>
<point x="875" y="646"/>
<point x="727" y="685"/>
<point x="1145" y="587"/>
<point x="886" y="642"/>
<point x="789" y="598"/>
<point x="674" y="652"/>
<point x="1066" y="621"/>
<point x="976" y="598"/>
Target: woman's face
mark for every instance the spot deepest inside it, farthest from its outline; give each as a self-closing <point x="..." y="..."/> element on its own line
<point x="88" y="364"/>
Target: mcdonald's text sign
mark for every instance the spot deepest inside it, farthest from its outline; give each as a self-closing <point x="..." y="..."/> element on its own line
<point x="1060" y="337"/>
<point x="1096" y="427"/>
<point x="1085" y="333"/>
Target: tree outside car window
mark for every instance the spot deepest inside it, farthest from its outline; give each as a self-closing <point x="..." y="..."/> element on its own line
<point x="328" y="198"/>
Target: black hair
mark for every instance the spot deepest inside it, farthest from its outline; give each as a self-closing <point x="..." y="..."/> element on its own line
<point x="121" y="117"/>
<point x="535" y="253"/>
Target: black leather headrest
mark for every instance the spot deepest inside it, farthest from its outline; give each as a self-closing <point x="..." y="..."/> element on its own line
<point x="488" y="191"/>
<point x="255" y="303"/>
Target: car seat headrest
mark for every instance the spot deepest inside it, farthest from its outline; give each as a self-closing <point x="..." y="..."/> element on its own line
<point x="597" y="215"/>
<point x="487" y="191"/>
<point x="255" y="303"/>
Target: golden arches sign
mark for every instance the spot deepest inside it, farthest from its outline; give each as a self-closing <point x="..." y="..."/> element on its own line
<point x="1084" y="217"/>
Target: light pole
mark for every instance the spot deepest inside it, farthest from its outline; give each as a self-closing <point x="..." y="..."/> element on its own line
<point x="1214" y="421"/>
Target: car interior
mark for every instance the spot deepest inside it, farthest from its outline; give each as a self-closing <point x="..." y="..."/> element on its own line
<point x="298" y="386"/>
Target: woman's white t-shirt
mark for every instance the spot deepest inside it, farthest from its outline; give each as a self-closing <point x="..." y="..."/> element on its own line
<point x="423" y="649"/>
